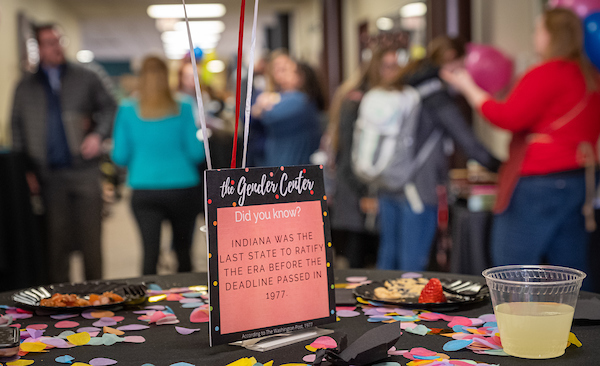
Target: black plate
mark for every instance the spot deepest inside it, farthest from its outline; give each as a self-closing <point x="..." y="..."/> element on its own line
<point x="131" y="293"/>
<point x="454" y="301"/>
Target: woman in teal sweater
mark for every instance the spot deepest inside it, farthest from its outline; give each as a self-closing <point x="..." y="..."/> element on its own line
<point x="155" y="138"/>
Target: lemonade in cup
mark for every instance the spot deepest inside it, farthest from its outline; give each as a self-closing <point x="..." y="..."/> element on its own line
<point x="534" y="307"/>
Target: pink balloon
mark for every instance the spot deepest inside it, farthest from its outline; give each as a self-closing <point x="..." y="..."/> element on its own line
<point x="583" y="8"/>
<point x="490" y="68"/>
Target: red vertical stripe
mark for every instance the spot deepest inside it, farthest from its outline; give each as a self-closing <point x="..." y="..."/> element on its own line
<point x="238" y="85"/>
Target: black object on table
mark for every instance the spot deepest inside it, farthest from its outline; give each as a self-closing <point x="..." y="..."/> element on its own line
<point x="164" y="346"/>
<point x="21" y="251"/>
<point x="470" y="239"/>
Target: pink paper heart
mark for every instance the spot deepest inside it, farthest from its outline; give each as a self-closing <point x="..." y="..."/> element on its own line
<point x="157" y="316"/>
<point x="174" y="297"/>
<point x="420" y="351"/>
<point x="37" y="326"/>
<point x="199" y="316"/>
<point x="324" y="342"/>
<point x="66" y="324"/>
<point x="169" y="319"/>
<point x="460" y="320"/>
<point x="134" y="339"/>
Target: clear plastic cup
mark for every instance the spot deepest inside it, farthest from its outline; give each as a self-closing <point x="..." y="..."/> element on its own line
<point x="534" y="307"/>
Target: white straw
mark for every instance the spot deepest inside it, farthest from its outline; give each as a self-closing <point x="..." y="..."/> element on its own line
<point x="198" y="91"/>
<point x="249" y="87"/>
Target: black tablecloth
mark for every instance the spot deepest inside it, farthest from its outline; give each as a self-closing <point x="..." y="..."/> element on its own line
<point x="21" y="251"/>
<point x="470" y="240"/>
<point x="164" y="346"/>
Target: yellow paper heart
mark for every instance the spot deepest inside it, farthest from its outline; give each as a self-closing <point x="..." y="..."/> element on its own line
<point x="19" y="363"/>
<point x="573" y="339"/>
<point x="311" y="348"/>
<point x="33" y="347"/>
<point x="80" y="364"/>
<point x="157" y="298"/>
<point x="270" y="363"/>
<point x="244" y="362"/>
<point x="79" y="339"/>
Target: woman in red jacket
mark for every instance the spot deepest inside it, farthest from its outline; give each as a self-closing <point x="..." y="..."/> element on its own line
<point x="554" y="115"/>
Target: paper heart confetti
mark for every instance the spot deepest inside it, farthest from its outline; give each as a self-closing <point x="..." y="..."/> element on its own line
<point x="64" y="359"/>
<point x="456" y="345"/>
<point x="324" y="342"/>
<point x="101" y="361"/>
<point x="192" y="294"/>
<point x="33" y="347"/>
<point x="347" y="313"/>
<point x="134" y="339"/>
<point x="199" y="315"/>
<point x="112" y="331"/>
<point x="79" y="339"/>
<point x="131" y="327"/>
<point x="57" y="342"/>
<point x="110" y="339"/>
<point x="104" y="322"/>
<point x="20" y="363"/>
<point x="185" y="331"/>
<point x="66" y="324"/>
<point x="37" y="326"/>
<point x="88" y="329"/>
<point x="169" y="319"/>
<point x="102" y="314"/>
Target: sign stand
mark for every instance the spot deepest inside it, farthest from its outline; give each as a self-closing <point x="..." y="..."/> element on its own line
<point x="275" y="341"/>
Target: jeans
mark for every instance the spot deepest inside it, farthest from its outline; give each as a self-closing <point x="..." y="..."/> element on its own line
<point x="405" y="237"/>
<point x="543" y="223"/>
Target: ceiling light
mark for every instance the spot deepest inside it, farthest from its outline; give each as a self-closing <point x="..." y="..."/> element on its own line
<point x="215" y="66"/>
<point x="182" y="37"/>
<point x="85" y="56"/>
<point x="193" y="11"/>
<point x="385" y="24"/>
<point x="205" y="27"/>
<point x="413" y="10"/>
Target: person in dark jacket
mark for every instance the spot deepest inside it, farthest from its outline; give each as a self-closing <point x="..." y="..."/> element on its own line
<point x="60" y="116"/>
<point x="409" y="219"/>
<point x="348" y="219"/>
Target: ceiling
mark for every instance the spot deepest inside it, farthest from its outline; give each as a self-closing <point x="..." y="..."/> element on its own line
<point x="121" y="29"/>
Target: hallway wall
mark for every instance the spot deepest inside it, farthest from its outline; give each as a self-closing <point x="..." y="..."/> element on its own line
<point x="39" y="11"/>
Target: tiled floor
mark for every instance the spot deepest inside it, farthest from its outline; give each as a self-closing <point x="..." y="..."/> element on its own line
<point x="122" y="246"/>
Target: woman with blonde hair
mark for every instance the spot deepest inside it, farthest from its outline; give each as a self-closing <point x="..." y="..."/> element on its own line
<point x="155" y="138"/>
<point x="553" y="113"/>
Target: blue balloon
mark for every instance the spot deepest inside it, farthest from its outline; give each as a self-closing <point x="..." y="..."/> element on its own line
<point x="198" y="53"/>
<point x="592" y="38"/>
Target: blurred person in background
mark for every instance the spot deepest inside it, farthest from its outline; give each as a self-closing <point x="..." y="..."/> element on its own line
<point x="213" y="103"/>
<point x="348" y="219"/>
<point x="553" y="113"/>
<point x="60" y="116"/>
<point x="155" y="138"/>
<point x="409" y="219"/>
<point x="291" y="117"/>
<point x="274" y="70"/>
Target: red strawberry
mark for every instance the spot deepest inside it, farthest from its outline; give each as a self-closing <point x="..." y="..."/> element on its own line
<point x="432" y="292"/>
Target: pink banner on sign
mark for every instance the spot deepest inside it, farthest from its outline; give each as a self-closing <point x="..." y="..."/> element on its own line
<point x="272" y="265"/>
